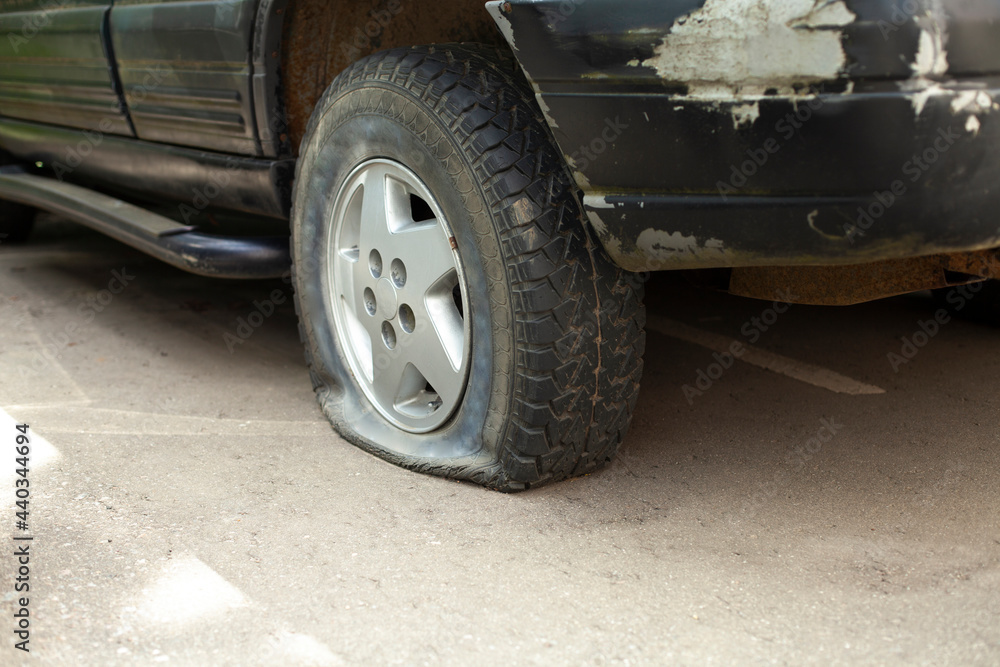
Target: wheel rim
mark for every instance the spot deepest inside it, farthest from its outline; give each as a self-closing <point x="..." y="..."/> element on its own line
<point x="398" y="296"/>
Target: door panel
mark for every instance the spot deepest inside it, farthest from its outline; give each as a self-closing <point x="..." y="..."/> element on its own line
<point x="186" y="73"/>
<point x="54" y="67"/>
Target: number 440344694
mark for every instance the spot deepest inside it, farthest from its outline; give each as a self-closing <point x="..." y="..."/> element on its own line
<point x="23" y="449"/>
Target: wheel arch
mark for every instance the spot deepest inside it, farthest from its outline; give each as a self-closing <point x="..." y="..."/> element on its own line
<point x="300" y="46"/>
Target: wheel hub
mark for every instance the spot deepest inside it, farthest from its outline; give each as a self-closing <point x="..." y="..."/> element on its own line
<point x="398" y="296"/>
<point x="387" y="302"/>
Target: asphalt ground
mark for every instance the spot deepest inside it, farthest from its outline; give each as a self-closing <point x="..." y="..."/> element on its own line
<point x="814" y="501"/>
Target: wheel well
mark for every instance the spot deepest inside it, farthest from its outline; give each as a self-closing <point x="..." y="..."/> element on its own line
<point x="320" y="39"/>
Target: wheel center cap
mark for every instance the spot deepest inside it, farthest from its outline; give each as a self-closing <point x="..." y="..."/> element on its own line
<point x="385" y="294"/>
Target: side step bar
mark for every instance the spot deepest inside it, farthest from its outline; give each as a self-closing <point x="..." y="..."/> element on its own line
<point x="176" y="244"/>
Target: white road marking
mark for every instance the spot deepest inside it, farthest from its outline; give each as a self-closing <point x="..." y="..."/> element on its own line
<point x="799" y="370"/>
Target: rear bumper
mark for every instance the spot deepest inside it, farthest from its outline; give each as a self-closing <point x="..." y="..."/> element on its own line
<point x="893" y="151"/>
<point x="831" y="179"/>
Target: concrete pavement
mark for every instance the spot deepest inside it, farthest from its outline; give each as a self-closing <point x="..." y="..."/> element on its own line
<point x="190" y="505"/>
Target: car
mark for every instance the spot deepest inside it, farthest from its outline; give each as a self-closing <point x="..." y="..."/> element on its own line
<point x="468" y="197"/>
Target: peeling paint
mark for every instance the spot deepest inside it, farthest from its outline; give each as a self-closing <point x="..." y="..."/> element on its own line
<point x="734" y="48"/>
<point x="597" y="201"/>
<point x="503" y="23"/>
<point x="744" y="115"/>
<point x="961" y="101"/>
<point x="597" y="223"/>
<point x="824" y="15"/>
<point x="581" y="179"/>
<point x="612" y="245"/>
<point x="931" y="59"/>
<point x="924" y="91"/>
<point x="546" y="111"/>
<point x="972" y="101"/>
<point x="658" y="243"/>
<point x="670" y="246"/>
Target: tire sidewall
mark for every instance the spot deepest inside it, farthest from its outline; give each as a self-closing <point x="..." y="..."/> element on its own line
<point x="363" y="122"/>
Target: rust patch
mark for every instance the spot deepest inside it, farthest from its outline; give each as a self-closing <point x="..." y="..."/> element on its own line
<point x="847" y="285"/>
<point x="321" y="39"/>
<point x="985" y="263"/>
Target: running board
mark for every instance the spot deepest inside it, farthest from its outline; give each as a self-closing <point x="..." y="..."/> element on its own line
<point x="176" y="244"/>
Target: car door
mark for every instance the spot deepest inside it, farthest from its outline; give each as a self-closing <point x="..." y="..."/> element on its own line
<point x="56" y="67"/>
<point x="186" y="70"/>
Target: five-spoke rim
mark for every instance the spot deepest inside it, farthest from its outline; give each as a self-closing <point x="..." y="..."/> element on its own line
<point x="398" y="296"/>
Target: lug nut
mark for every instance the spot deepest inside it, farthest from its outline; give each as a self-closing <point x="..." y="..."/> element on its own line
<point x="388" y="335"/>
<point x="398" y="273"/>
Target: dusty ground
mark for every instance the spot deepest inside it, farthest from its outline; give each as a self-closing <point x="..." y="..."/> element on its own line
<point x="190" y="505"/>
